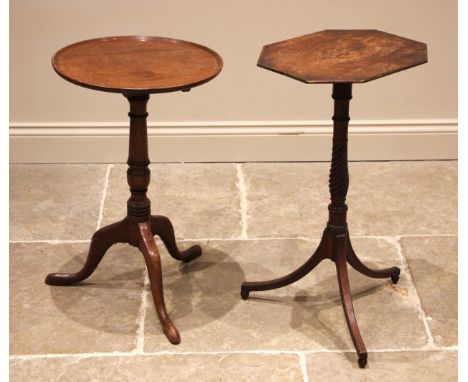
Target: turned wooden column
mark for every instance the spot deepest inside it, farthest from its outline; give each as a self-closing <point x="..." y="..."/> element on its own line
<point x="339" y="176"/>
<point x="138" y="173"/>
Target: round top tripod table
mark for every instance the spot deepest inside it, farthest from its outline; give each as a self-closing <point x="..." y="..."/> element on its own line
<point x="340" y="57"/>
<point x="137" y="66"/>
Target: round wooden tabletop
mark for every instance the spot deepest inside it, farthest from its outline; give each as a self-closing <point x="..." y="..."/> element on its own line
<point x="137" y="64"/>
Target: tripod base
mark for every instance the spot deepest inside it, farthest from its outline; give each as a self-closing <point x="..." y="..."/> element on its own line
<point x="140" y="235"/>
<point x="336" y="246"/>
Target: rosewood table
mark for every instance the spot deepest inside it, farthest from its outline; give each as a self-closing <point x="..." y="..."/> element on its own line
<point x="339" y="57"/>
<point x="137" y="66"/>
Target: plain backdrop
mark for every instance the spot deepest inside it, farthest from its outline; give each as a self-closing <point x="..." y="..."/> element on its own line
<point x="237" y="30"/>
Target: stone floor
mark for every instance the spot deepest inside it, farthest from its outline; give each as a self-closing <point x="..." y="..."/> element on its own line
<point x="254" y="221"/>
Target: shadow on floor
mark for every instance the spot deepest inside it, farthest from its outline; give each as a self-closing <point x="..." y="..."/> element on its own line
<point x="312" y="309"/>
<point x="195" y="293"/>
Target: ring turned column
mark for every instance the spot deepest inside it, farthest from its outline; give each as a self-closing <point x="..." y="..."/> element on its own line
<point x="138" y="173"/>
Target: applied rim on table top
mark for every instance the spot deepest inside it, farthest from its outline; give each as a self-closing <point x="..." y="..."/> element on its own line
<point x="137" y="64"/>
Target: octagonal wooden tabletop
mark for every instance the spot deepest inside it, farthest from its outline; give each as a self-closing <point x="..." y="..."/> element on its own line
<point x="342" y="56"/>
<point x="137" y="64"/>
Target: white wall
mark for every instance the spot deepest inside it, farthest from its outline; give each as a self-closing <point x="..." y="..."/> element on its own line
<point x="242" y="92"/>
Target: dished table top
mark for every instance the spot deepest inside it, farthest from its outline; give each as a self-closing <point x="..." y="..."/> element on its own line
<point x="342" y="56"/>
<point x="137" y="64"/>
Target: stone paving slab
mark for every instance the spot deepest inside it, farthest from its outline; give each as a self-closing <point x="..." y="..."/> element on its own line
<point x="98" y="315"/>
<point x="182" y="368"/>
<point x="413" y="366"/>
<point x="433" y="262"/>
<point x="55" y="202"/>
<point x="384" y="198"/>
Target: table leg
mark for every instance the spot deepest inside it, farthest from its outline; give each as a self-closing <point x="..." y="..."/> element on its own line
<point x="162" y="226"/>
<point x="299" y="273"/>
<point x="393" y="273"/>
<point x="150" y="252"/>
<point x="340" y="252"/>
<point x="101" y="241"/>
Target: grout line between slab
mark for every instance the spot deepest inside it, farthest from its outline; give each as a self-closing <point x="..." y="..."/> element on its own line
<point x="246" y="239"/>
<point x="243" y="201"/>
<point x="400" y="236"/>
<point x="140" y="334"/>
<point x="429" y="235"/>
<point x="303" y="366"/>
<point x="308" y="238"/>
<point x="423" y="349"/>
<point x="207" y="239"/>
<point x="397" y="243"/>
<point x="104" y="194"/>
<point x="47" y="241"/>
<point x="260" y="352"/>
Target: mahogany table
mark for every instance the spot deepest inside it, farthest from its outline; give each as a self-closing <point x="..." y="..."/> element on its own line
<point x="137" y="66"/>
<point x="340" y="57"/>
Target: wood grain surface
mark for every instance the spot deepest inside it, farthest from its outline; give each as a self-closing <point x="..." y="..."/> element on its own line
<point x="342" y="56"/>
<point x="137" y="64"/>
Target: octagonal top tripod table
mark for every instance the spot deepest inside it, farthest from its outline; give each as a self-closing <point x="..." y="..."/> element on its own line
<point x="340" y="57"/>
<point x="137" y="66"/>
